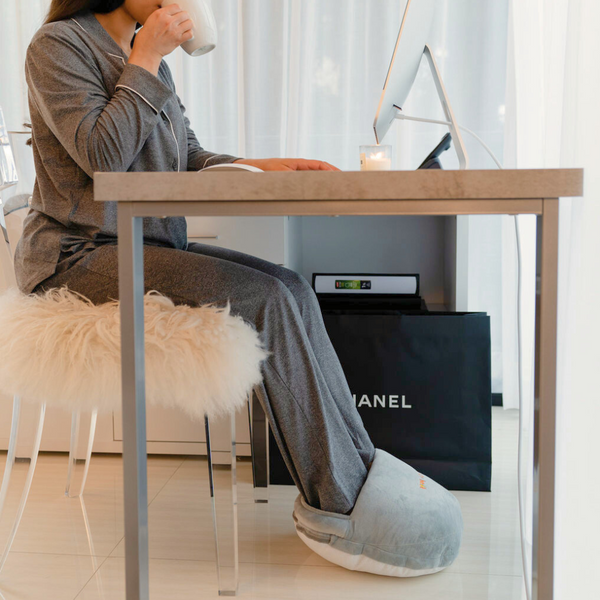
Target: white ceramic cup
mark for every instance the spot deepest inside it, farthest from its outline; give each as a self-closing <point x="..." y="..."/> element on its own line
<point x="205" y="27"/>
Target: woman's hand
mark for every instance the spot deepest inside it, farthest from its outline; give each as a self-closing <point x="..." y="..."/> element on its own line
<point x="287" y="164"/>
<point x="164" y="30"/>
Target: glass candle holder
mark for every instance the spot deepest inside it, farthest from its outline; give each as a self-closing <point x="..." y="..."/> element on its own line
<point x="375" y="158"/>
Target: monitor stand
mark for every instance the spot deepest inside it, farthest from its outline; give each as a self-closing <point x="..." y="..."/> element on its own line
<point x="459" y="145"/>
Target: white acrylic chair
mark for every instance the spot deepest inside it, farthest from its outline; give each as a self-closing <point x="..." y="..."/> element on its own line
<point x="22" y="457"/>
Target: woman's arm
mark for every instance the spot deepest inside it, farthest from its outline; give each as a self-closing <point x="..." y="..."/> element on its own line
<point x="198" y="157"/>
<point x="287" y="164"/>
<point x="101" y="133"/>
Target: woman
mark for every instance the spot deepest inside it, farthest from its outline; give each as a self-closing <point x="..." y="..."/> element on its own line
<point x="99" y="102"/>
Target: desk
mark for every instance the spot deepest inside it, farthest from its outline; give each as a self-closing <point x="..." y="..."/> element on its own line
<point x="315" y="193"/>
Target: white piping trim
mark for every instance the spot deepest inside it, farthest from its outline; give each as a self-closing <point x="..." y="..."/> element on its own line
<point x="120" y="85"/>
<point x="211" y="158"/>
<point x="78" y="23"/>
<point x="119" y="57"/>
<point x="113" y="55"/>
<point x="149" y="104"/>
<point x="176" y="142"/>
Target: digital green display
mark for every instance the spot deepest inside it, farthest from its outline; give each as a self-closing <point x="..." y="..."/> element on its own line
<point x="346" y="284"/>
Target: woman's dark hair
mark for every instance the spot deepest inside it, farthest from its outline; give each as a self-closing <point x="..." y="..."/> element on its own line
<point x="64" y="9"/>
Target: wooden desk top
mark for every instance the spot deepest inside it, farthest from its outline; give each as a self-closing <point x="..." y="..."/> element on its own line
<point x="348" y="185"/>
<point x="339" y="193"/>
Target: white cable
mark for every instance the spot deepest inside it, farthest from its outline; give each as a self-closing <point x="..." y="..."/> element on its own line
<point x="489" y="151"/>
<point x="520" y="443"/>
<point x="403" y="117"/>
<point x="519" y="342"/>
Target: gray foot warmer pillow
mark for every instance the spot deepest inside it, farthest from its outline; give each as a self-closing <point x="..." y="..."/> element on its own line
<point x="403" y="524"/>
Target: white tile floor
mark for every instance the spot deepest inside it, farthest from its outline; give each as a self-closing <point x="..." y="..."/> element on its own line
<point x="66" y="549"/>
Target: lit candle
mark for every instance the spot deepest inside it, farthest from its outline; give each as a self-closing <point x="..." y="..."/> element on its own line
<point x="378" y="162"/>
<point x="376" y="158"/>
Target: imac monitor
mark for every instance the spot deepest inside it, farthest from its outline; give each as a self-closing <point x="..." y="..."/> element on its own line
<point x="410" y="46"/>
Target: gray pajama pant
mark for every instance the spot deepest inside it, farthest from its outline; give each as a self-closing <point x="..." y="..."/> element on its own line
<point x="304" y="392"/>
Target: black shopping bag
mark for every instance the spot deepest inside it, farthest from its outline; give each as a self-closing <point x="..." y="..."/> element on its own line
<point x="422" y="385"/>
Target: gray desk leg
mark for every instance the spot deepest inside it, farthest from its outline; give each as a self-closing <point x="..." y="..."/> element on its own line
<point x="545" y="402"/>
<point x="131" y="295"/>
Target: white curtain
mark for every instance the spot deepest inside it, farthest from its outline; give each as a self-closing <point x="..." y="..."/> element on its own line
<point x="302" y="78"/>
<point x="553" y="121"/>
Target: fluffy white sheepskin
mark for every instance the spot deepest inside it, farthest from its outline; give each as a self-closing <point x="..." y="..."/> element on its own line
<point x="60" y="349"/>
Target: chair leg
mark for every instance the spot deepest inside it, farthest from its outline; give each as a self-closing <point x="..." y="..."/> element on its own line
<point x="18" y="472"/>
<point x="259" y="449"/>
<point x="80" y="454"/>
<point x="223" y="492"/>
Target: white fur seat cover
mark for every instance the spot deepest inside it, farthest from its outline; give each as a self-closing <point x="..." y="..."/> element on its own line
<point x="61" y="349"/>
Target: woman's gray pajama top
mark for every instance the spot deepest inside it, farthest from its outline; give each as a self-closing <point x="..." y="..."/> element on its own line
<point x="91" y="111"/>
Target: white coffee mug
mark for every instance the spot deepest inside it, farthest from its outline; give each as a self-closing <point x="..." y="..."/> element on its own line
<point x="205" y="27"/>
